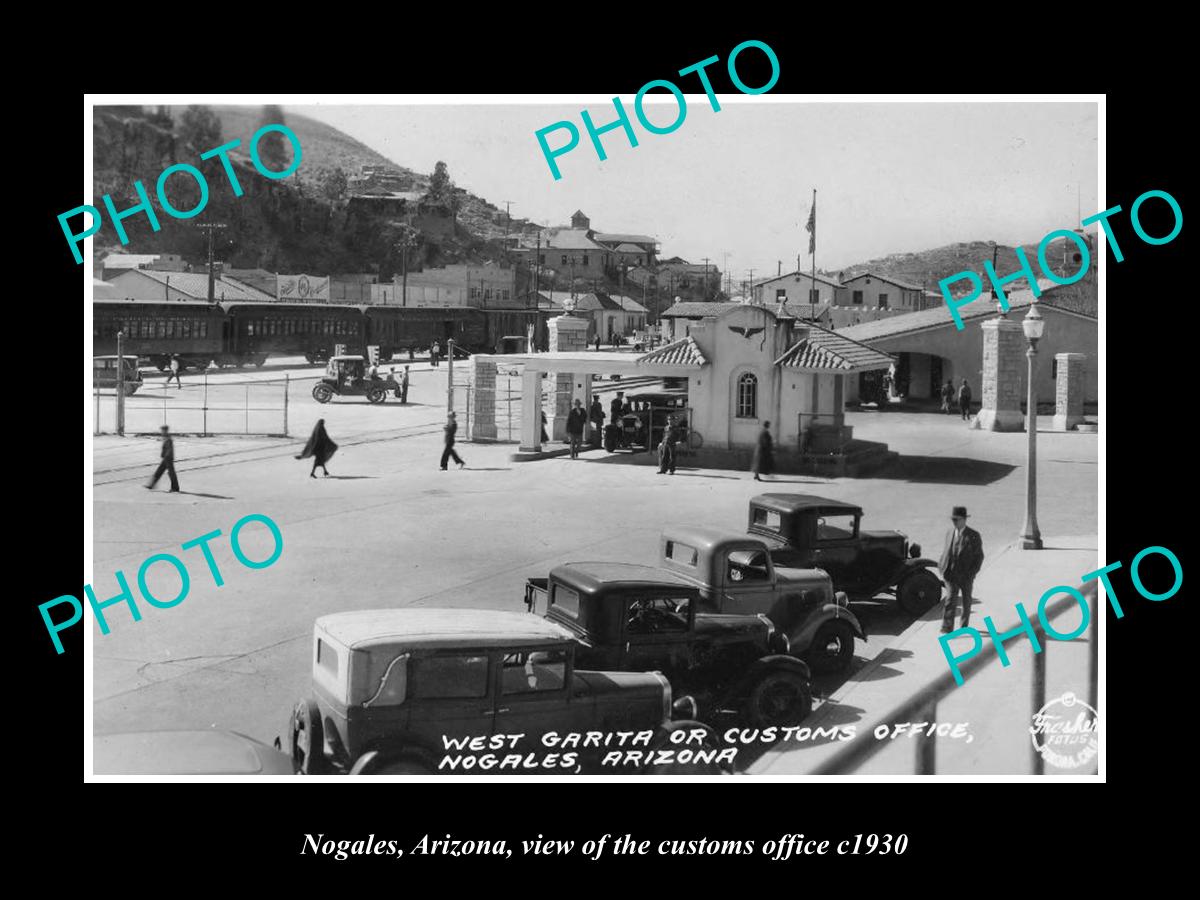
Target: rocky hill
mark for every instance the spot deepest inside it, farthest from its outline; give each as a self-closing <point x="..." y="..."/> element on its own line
<point x="298" y="227"/>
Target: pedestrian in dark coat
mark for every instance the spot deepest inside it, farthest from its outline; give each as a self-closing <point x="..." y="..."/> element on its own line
<point x="545" y="437"/>
<point x="320" y="447"/>
<point x="404" y="386"/>
<point x="947" y="395"/>
<point x="764" y="453"/>
<point x="451" y="429"/>
<point x="596" y="415"/>
<point x="576" y="422"/>
<point x="435" y="353"/>
<point x="666" y="448"/>
<point x="597" y="342"/>
<point x="964" y="399"/>
<point x="166" y="463"/>
<point x="961" y="561"/>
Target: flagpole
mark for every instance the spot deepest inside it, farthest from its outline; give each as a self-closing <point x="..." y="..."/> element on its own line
<point x="812" y="310"/>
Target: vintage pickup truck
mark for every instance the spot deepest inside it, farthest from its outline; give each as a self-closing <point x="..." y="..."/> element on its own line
<point x="804" y="530"/>
<point x="735" y="574"/>
<point x="642" y="618"/>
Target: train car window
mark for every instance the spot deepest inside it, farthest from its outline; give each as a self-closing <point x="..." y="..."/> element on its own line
<point x="203" y="332"/>
<point x="160" y="328"/>
<point x="187" y="328"/>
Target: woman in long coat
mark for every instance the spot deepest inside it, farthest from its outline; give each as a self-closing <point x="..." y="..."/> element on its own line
<point x="764" y="453"/>
<point x="320" y="447"/>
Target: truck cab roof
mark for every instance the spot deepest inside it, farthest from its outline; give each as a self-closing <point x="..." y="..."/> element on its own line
<point x="791" y="503"/>
<point x="593" y="577"/>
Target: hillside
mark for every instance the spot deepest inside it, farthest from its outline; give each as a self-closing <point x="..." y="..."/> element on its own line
<point x="289" y="225"/>
<point x="928" y="267"/>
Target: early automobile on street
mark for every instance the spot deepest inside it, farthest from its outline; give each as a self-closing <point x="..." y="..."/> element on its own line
<point x="805" y="531"/>
<point x="348" y="376"/>
<point x="641" y="426"/>
<point x="394" y="689"/>
<point x="641" y="618"/>
<point x="735" y="574"/>
<point x="105" y="373"/>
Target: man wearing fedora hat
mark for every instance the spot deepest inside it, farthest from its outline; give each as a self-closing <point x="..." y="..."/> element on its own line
<point x="961" y="561"/>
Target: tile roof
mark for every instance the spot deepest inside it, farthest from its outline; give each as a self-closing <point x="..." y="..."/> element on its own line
<point x="628" y="248"/>
<point x="678" y="353"/>
<point x="628" y="304"/>
<point x="832" y="351"/>
<point x="810" y="311"/>
<point x="694" y="309"/>
<point x="939" y="316"/>
<point x="195" y="285"/>
<point x="570" y="239"/>
<point x="905" y="285"/>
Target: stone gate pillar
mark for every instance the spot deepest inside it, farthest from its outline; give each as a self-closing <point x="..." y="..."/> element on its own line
<point x="1003" y="374"/>
<point x="1068" y="391"/>
<point x="567" y="334"/>
<point x="483" y="402"/>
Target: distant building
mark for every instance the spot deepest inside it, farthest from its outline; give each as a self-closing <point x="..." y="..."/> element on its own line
<point x="483" y="286"/>
<point x="148" y="285"/>
<point x="115" y="263"/>
<point x="870" y="290"/>
<point x="798" y="289"/>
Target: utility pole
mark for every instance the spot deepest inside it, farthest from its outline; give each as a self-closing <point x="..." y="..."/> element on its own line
<point x="210" y="227"/>
<point x="778" y="267"/>
<point x="507" y="225"/>
<point x="725" y="263"/>
<point x="406" y="235"/>
<point x="706" y="278"/>
<point x="750" y="288"/>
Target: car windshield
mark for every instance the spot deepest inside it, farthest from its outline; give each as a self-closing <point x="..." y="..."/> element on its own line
<point x="836" y="527"/>
<point x="656" y="615"/>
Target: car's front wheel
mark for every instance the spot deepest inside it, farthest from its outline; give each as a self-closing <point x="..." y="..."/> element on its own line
<point x="322" y="393"/>
<point x="375" y="763"/>
<point x="376" y="395"/>
<point x="832" y="647"/>
<point x="919" y="592"/>
<point x="779" y="698"/>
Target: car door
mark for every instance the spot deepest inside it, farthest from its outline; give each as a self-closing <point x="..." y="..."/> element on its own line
<point x="748" y="581"/>
<point x="450" y="697"/>
<point x="657" y="631"/>
<point x="533" y="696"/>
<point x="835" y="548"/>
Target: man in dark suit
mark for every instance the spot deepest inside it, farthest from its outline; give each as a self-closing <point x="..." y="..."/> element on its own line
<point x="167" y="464"/>
<point x="448" y="453"/>
<point x="961" y="561"/>
<point x="964" y="399"/>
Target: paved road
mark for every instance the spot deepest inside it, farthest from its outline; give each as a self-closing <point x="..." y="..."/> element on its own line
<point x="389" y="529"/>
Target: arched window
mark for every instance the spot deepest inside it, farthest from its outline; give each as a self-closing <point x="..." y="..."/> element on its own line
<point x="747" y="397"/>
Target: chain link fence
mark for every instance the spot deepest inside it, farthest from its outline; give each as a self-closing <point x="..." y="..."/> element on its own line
<point x="197" y="406"/>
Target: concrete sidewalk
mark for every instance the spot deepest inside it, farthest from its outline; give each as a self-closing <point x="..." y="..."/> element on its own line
<point x="993" y="705"/>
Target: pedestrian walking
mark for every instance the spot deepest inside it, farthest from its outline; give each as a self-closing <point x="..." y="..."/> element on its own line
<point x="320" y="447"/>
<point x="451" y="429"/>
<point x="545" y="437"/>
<point x="435" y="353"/>
<point x="947" y="395"/>
<point x="404" y="386"/>
<point x="174" y="372"/>
<point x="764" y="453"/>
<point x="666" y="447"/>
<point x="166" y="462"/>
<point x="597" y="342"/>
<point x="576" y="422"/>
<point x="964" y="399"/>
<point x="596" y="415"/>
<point x="961" y="560"/>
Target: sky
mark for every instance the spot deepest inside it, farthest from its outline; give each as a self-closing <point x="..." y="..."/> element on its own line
<point x="736" y="184"/>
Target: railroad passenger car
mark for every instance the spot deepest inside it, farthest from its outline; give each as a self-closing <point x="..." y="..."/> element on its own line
<point x="155" y="331"/>
<point x="253" y="331"/>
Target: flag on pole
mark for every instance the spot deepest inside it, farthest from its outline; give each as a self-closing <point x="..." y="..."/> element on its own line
<point x="811" y="228"/>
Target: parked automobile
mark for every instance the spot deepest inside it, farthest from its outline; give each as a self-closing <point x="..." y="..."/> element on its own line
<point x="641" y="426"/>
<point x="631" y="617"/>
<point x="735" y="574"/>
<point x="105" y="372"/>
<point x="198" y="752"/>
<point x="392" y="689"/>
<point x="805" y="531"/>
<point x="347" y="376"/>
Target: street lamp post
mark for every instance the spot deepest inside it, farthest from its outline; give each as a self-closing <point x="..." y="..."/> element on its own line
<point x="1033" y="325"/>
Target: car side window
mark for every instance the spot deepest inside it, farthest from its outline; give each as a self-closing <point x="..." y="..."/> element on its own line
<point x="750" y="567"/>
<point x="657" y="615"/>
<point x="835" y="528"/>
<point x="533" y="671"/>
<point x="450" y="676"/>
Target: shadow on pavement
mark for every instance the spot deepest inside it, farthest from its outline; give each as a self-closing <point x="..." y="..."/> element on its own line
<point x="206" y="496"/>
<point x="881" y="669"/>
<point x="944" y="470"/>
<point x="349" y="477"/>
